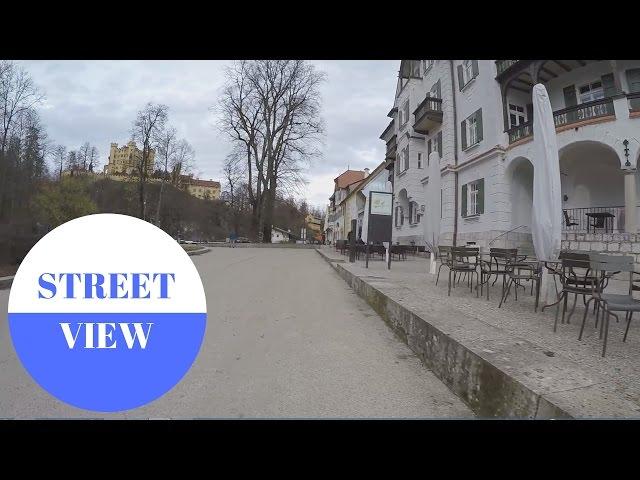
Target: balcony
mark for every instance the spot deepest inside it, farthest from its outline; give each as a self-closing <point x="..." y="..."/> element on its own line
<point x="519" y="132"/>
<point x="428" y="115"/>
<point x="584" y="111"/>
<point x="567" y="116"/>
<point x="503" y="65"/>
<point x="391" y="148"/>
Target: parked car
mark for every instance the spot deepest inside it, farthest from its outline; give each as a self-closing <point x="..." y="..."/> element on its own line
<point x="243" y="240"/>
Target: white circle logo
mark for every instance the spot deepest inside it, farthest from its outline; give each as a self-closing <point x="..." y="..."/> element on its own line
<point x="107" y="312"/>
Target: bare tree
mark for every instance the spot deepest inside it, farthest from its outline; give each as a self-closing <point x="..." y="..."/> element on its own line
<point x="84" y="152"/>
<point x="183" y="163"/>
<point x="93" y="158"/>
<point x="18" y="94"/>
<point x="167" y="145"/>
<point x="272" y="109"/>
<point x="59" y="159"/>
<point x="147" y="129"/>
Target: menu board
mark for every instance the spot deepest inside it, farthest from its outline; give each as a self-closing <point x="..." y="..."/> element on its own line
<point x="381" y="203"/>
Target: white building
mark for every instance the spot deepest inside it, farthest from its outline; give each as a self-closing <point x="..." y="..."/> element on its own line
<point x="338" y="218"/>
<point x="279" y="235"/>
<point x="478" y="116"/>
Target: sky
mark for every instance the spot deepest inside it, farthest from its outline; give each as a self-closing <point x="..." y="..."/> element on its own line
<point x="97" y="101"/>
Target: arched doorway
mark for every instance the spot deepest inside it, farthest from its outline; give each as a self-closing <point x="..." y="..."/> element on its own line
<point x="402" y="208"/>
<point x="592" y="181"/>
<point x="521" y="170"/>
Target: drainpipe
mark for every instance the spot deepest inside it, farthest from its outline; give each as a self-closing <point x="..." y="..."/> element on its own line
<point x="455" y="153"/>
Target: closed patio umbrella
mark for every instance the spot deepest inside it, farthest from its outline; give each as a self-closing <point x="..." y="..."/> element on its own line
<point x="546" y="227"/>
<point x="432" y="225"/>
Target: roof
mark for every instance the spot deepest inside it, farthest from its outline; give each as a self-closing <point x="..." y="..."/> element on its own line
<point x="348" y="178"/>
<point x="371" y="176"/>
<point x="204" y="183"/>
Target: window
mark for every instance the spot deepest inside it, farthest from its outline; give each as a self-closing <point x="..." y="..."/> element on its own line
<point x="399" y="216"/>
<point x="426" y="65"/>
<point x="467" y="71"/>
<point x="471" y="130"/>
<point x="473" y="198"/>
<point x="405" y="154"/>
<point x="435" y="90"/>
<point x="419" y="159"/>
<point x="591" y="91"/>
<point x="516" y="115"/>
<point x="414" y="216"/>
<point x="403" y="114"/>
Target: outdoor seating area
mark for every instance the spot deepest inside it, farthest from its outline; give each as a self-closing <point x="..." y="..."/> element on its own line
<point x="579" y="274"/>
<point x="506" y="331"/>
<point x="377" y="251"/>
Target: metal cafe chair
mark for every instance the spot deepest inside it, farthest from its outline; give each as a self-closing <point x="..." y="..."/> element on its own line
<point x="519" y="271"/>
<point x="567" y="220"/>
<point x="608" y="266"/>
<point x="444" y="255"/>
<point x="464" y="260"/>
<point x="576" y="278"/>
<point x="497" y="265"/>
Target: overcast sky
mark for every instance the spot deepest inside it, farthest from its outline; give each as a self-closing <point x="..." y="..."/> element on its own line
<point x="96" y="102"/>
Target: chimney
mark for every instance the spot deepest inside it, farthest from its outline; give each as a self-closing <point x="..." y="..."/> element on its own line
<point x="366" y="172"/>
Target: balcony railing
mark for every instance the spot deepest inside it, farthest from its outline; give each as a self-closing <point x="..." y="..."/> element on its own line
<point x="584" y="111"/>
<point x="503" y="65"/>
<point x="567" y="116"/>
<point x="518" y="132"/>
<point x="391" y="148"/>
<point x="634" y="101"/>
<point x="585" y="223"/>
<point x="428" y="114"/>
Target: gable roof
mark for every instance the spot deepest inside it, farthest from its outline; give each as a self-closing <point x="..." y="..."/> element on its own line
<point x="349" y="178"/>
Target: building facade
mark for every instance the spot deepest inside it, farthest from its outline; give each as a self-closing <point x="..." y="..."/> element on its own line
<point x="204" y="189"/>
<point x="477" y="116"/>
<point x="125" y="160"/>
<point x="338" y="219"/>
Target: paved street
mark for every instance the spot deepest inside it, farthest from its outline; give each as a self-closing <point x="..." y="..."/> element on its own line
<point x="286" y="337"/>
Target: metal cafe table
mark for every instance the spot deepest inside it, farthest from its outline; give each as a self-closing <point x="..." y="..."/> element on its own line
<point x="601" y="220"/>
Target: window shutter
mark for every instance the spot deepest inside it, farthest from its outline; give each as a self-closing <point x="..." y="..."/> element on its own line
<point x="411" y="213"/>
<point x="474" y="68"/>
<point x="570" y="98"/>
<point x="428" y="150"/>
<point x="463" y="134"/>
<point x="406" y="158"/>
<point x="460" y="79"/>
<point x="440" y="144"/>
<point x="529" y="112"/>
<point x="479" y="124"/>
<point x="464" y="201"/>
<point x="633" y="79"/>
<point x="481" y="196"/>
<point x="608" y="85"/>
<point x="438" y="91"/>
<point x="398" y="163"/>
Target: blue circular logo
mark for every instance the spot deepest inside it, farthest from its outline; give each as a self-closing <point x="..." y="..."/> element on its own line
<point x="107" y="312"/>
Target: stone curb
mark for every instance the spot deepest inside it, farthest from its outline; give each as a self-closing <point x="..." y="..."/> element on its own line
<point x="5" y="282"/>
<point x="476" y="374"/>
<point x="200" y="251"/>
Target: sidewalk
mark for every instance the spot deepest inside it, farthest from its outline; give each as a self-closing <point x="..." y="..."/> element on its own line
<point x="507" y="361"/>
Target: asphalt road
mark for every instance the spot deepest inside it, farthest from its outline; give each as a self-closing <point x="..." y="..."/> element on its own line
<point x="286" y="337"/>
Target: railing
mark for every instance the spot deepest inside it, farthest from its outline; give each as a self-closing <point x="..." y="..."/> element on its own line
<point x="583" y="223"/>
<point x="584" y="111"/>
<point x="567" y="116"/>
<point x="428" y="105"/>
<point x="518" y="132"/>
<point x="503" y="65"/>
<point x="634" y="101"/>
